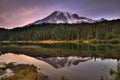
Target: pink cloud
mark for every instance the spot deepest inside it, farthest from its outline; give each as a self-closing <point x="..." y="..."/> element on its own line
<point x="27" y="21"/>
<point x="19" y="18"/>
<point x="21" y="23"/>
<point x="27" y="12"/>
<point x="3" y="17"/>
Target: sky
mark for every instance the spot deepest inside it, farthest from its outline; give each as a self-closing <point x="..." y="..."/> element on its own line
<point x="16" y="13"/>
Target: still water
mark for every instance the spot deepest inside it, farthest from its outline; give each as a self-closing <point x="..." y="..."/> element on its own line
<point x="72" y="67"/>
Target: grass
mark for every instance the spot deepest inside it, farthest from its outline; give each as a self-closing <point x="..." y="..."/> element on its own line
<point x="86" y="41"/>
<point x="28" y="73"/>
<point x="64" y="78"/>
<point x="117" y="76"/>
<point x="112" y="71"/>
<point x="101" y="78"/>
<point x="43" y="41"/>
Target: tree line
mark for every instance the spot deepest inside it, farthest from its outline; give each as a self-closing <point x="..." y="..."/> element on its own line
<point x="85" y="31"/>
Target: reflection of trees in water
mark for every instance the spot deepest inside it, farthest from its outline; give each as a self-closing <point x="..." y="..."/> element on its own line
<point x="82" y="47"/>
<point x="67" y="49"/>
<point x="86" y="47"/>
<point x="102" y="50"/>
<point x="95" y="50"/>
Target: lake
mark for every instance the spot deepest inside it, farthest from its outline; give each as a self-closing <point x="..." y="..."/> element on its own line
<point x="93" y="62"/>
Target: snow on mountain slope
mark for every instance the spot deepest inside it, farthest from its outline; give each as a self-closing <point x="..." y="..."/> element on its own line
<point x="64" y="17"/>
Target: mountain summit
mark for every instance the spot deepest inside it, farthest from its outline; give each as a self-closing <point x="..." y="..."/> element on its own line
<point x="64" y="17"/>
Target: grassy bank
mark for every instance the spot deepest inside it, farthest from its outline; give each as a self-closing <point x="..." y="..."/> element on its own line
<point x="43" y="41"/>
<point x="107" y="41"/>
<point x="28" y="73"/>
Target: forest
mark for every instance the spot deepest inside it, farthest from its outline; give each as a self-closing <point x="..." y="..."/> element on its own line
<point x="100" y="31"/>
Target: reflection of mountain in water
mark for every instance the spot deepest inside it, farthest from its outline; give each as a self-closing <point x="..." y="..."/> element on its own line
<point x="71" y="66"/>
<point x="59" y="62"/>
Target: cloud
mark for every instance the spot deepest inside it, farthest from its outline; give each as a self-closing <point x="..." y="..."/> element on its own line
<point x="3" y="18"/>
<point x="18" y="18"/>
<point x="22" y="13"/>
<point x="27" y="12"/>
<point x="27" y="21"/>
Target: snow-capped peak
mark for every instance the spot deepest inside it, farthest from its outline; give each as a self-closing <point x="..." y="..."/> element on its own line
<point x="101" y="20"/>
<point x="64" y="17"/>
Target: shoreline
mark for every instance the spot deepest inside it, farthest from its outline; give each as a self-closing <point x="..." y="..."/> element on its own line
<point x="44" y="41"/>
<point x="66" y="41"/>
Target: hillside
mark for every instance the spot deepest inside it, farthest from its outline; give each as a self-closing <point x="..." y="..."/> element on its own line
<point x="106" y="30"/>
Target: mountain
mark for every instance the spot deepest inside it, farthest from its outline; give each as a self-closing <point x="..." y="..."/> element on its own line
<point x="101" y="20"/>
<point x="59" y="62"/>
<point x="64" y="17"/>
